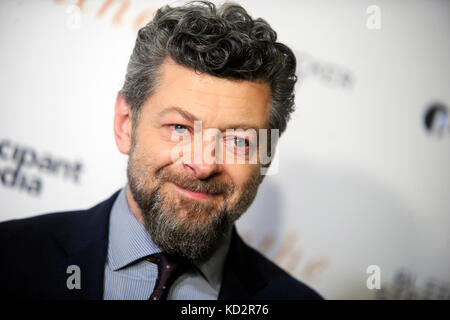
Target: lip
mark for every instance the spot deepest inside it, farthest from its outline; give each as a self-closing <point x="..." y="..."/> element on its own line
<point x="196" y="195"/>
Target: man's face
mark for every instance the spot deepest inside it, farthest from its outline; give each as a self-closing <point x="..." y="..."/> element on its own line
<point x="187" y="205"/>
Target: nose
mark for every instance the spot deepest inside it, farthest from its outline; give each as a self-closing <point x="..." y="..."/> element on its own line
<point x="205" y="165"/>
<point x="203" y="171"/>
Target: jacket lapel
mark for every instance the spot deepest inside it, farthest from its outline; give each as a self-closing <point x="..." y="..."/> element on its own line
<point x="241" y="278"/>
<point x="85" y="242"/>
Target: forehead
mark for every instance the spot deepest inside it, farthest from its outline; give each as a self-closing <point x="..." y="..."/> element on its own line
<point x="216" y="101"/>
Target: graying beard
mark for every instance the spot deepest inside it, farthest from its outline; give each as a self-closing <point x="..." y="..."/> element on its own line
<point x="181" y="236"/>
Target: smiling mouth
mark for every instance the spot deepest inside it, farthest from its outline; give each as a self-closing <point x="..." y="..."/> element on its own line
<point x="193" y="194"/>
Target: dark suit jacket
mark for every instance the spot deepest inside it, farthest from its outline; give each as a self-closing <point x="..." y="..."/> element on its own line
<point x="36" y="252"/>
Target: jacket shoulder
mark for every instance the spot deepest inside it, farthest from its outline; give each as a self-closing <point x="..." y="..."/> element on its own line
<point x="39" y="226"/>
<point x="280" y="284"/>
<point x="44" y="225"/>
<point x="35" y="252"/>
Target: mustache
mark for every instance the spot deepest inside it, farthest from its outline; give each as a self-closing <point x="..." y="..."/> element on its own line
<point x="212" y="186"/>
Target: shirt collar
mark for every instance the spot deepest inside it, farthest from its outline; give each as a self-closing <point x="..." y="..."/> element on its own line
<point x="129" y="241"/>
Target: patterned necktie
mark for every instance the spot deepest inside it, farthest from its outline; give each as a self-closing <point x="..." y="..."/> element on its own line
<point x="169" y="268"/>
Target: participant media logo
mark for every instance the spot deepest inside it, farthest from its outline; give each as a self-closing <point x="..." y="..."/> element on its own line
<point x="17" y="162"/>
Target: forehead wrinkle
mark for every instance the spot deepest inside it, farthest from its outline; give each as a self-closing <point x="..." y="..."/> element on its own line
<point x="190" y="117"/>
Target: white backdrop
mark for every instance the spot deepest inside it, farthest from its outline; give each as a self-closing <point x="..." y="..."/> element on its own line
<point x="361" y="181"/>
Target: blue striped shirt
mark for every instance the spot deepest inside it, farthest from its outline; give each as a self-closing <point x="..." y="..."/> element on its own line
<point x="129" y="277"/>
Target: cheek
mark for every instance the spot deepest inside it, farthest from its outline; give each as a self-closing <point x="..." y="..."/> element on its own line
<point x="241" y="174"/>
<point x="160" y="154"/>
<point x="154" y="151"/>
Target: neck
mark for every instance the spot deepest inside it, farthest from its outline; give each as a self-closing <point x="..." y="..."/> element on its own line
<point x="134" y="207"/>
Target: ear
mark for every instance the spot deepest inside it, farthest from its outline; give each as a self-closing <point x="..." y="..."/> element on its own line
<point x="122" y="125"/>
<point x="266" y="166"/>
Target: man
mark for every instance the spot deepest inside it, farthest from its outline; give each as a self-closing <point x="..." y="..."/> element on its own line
<point x="169" y="233"/>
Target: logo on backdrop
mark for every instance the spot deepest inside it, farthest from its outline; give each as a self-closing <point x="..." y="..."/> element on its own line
<point x="16" y="162"/>
<point x="405" y="286"/>
<point x="288" y="255"/>
<point x="327" y="73"/>
<point x="435" y="120"/>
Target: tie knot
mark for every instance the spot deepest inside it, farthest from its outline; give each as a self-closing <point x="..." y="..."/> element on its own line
<point x="165" y="261"/>
<point x="167" y="265"/>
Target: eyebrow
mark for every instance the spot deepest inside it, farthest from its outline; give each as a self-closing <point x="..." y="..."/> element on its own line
<point x="191" y="118"/>
<point x="185" y="114"/>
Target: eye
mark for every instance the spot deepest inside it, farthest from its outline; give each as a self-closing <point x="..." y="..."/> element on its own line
<point x="240" y="142"/>
<point x="237" y="145"/>
<point x="179" y="128"/>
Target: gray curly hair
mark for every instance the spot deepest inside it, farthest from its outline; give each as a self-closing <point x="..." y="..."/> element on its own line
<point x="221" y="41"/>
